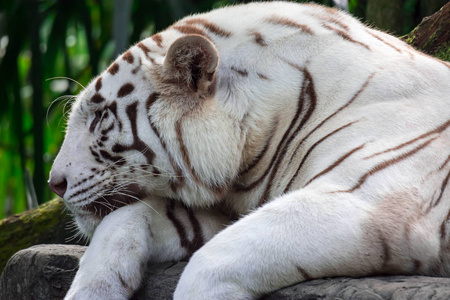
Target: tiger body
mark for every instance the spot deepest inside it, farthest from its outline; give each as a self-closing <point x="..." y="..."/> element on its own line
<point x="324" y="143"/>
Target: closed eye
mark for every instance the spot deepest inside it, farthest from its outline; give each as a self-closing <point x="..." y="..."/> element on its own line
<point x="97" y="119"/>
<point x="98" y="114"/>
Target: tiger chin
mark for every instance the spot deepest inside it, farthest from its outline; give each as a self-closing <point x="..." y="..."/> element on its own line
<point x="269" y="144"/>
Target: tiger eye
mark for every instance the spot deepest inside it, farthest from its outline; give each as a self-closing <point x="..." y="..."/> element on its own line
<point x="98" y="114"/>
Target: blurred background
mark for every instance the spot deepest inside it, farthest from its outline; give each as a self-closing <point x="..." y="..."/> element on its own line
<point x="50" y="49"/>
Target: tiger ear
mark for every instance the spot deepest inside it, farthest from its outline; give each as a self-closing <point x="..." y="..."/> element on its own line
<point x="191" y="62"/>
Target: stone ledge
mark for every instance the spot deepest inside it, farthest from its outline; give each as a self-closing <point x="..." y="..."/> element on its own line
<point x="46" y="271"/>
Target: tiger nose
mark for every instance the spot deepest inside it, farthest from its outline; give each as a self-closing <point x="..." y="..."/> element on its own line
<point x="58" y="184"/>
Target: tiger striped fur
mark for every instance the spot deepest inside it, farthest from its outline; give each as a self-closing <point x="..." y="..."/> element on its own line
<point x="270" y="143"/>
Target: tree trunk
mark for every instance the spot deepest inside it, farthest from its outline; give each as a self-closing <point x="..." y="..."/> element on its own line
<point x="432" y="36"/>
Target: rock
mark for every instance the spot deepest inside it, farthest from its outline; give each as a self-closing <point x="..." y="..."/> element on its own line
<point x="46" y="224"/>
<point x="40" y="272"/>
<point x="368" y="288"/>
<point x="46" y="271"/>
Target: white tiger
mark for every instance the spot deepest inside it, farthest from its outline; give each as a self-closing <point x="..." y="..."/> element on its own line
<point x="322" y="145"/>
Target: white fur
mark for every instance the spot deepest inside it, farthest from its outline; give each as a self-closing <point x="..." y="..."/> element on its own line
<point x="328" y="225"/>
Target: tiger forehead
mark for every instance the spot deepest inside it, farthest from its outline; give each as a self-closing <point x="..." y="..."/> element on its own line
<point x="107" y="87"/>
<point x="124" y="76"/>
<point x="104" y="85"/>
<point x="125" y="89"/>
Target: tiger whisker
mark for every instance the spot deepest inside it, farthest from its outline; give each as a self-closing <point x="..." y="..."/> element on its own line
<point x="141" y="176"/>
<point x="125" y="184"/>
<point x="119" y="190"/>
<point x="136" y="198"/>
<point x="80" y="235"/>
<point x="67" y="78"/>
<point x="72" y="226"/>
<point x="121" y="174"/>
<point x="105" y="203"/>
<point x="68" y="100"/>
<point x="165" y="173"/>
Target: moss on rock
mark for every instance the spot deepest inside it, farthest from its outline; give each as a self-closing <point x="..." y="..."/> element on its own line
<point x="43" y="225"/>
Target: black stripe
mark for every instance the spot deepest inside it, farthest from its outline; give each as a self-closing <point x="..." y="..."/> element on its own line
<point x="443" y="188"/>
<point x="282" y="145"/>
<point x="385" y="164"/>
<point x="335" y="164"/>
<point x="197" y="242"/>
<point x="308" y="91"/>
<point x="138" y="144"/>
<point x="178" y="180"/>
<point x="268" y="142"/>
<point x="311" y="149"/>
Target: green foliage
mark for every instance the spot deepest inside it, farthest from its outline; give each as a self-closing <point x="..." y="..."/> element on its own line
<point x="46" y="47"/>
<point x="40" y="40"/>
<point x="443" y="52"/>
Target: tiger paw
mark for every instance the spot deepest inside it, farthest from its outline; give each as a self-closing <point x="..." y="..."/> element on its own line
<point x="113" y="265"/>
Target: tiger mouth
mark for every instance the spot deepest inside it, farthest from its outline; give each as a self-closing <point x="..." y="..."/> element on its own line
<point x="103" y="206"/>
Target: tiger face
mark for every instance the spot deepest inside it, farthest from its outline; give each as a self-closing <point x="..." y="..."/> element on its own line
<point x="133" y="130"/>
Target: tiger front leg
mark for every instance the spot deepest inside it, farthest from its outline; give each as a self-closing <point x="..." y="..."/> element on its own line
<point x="126" y="239"/>
<point x="297" y="237"/>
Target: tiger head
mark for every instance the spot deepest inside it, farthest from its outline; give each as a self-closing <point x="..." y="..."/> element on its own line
<point x="150" y="125"/>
